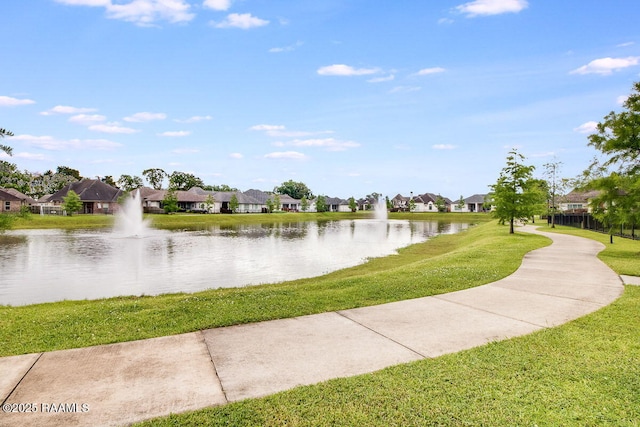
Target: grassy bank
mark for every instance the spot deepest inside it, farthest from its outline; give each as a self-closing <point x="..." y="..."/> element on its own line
<point x="584" y="373"/>
<point x="443" y="264"/>
<point x="202" y="221"/>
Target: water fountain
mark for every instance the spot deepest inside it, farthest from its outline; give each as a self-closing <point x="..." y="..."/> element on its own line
<point x="129" y="221"/>
<point x="380" y="209"/>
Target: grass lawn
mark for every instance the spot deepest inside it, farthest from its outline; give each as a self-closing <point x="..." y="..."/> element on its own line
<point x="443" y="264"/>
<point x="583" y="373"/>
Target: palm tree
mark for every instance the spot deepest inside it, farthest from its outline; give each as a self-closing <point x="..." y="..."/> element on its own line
<point x="5" y="148"/>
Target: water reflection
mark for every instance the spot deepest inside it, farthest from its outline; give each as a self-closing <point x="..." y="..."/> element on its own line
<point x="52" y="265"/>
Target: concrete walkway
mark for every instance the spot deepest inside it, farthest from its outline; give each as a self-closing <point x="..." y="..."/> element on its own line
<point x="118" y="384"/>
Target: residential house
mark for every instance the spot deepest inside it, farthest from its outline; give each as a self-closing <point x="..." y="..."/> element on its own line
<point x="13" y="200"/>
<point x="475" y="203"/>
<point x="576" y="201"/>
<point x="96" y="196"/>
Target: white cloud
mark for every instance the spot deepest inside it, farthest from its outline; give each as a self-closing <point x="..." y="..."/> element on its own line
<point x="281" y="131"/>
<point x="64" y="109"/>
<point x="405" y="89"/>
<point x="345" y="70"/>
<point x="286" y="48"/>
<point x="50" y="143"/>
<point x="291" y="155"/>
<point x="329" y="144"/>
<point x="195" y="119"/>
<point x="185" y="150"/>
<point x="30" y="156"/>
<point x="427" y="71"/>
<point x="145" y="117"/>
<point x="217" y="4"/>
<point x="443" y="147"/>
<point x="177" y="133"/>
<point x="445" y="21"/>
<point x="141" y="12"/>
<point x="236" y="155"/>
<point x="87" y="119"/>
<point x="267" y="127"/>
<point x="388" y="78"/>
<point x="606" y="66"/>
<point x="622" y="99"/>
<point x="112" y="128"/>
<point x="7" y="101"/>
<point x="491" y="7"/>
<point x="587" y="128"/>
<point x="102" y="3"/>
<point x="146" y="12"/>
<point x="243" y="21"/>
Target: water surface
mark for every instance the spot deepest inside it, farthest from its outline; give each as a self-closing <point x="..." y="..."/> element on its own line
<point x="53" y="265"/>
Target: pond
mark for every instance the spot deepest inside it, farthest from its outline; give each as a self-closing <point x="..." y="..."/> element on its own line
<point x="51" y="265"/>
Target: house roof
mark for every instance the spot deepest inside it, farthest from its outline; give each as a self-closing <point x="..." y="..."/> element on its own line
<point x="89" y="190"/>
<point x="579" y="196"/>
<point x="7" y="197"/>
<point x="18" y="194"/>
<point x="476" y="198"/>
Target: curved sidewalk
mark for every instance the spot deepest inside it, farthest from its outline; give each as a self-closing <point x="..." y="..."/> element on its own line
<point x="122" y="383"/>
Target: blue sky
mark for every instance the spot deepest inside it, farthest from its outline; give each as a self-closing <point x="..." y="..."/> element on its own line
<point x="349" y="97"/>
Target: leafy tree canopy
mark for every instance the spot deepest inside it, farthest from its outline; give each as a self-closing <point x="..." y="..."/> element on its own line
<point x="297" y="190"/>
<point x="515" y="194"/>
<point x="71" y="202"/>
<point x="65" y="170"/>
<point x="618" y="135"/>
<point x="184" y="181"/>
<point x="155" y="177"/>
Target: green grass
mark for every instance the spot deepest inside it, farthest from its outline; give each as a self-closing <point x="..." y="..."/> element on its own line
<point x="583" y="373"/>
<point x="199" y="220"/>
<point x="443" y="264"/>
<point x="623" y="256"/>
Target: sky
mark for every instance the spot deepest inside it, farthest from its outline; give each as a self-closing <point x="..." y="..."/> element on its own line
<point x="349" y="97"/>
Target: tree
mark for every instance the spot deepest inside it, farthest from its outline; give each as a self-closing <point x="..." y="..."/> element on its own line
<point x="352" y="204"/>
<point x="555" y="186"/>
<point x="155" y="177"/>
<point x="221" y="187"/>
<point x="460" y="204"/>
<point x="297" y="190"/>
<point x="209" y="203"/>
<point x="170" y="202"/>
<point x="270" y="205"/>
<point x="129" y="182"/>
<point x="184" y="181"/>
<point x="71" y="202"/>
<point x="512" y="194"/>
<point x="109" y="180"/>
<point x="441" y="204"/>
<point x="618" y="137"/>
<point x="321" y="204"/>
<point x="5" y="148"/>
<point x="65" y="170"/>
<point x="304" y="204"/>
<point x="234" y="204"/>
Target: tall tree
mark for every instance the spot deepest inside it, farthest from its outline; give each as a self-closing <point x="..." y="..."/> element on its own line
<point x="321" y="204"/>
<point x="129" y="182"/>
<point x="71" y="202"/>
<point x="556" y="187"/>
<point x="170" y="201"/>
<point x="65" y="170"/>
<point x="184" y="181"/>
<point x="155" y="177"/>
<point x="297" y="190"/>
<point x="513" y="194"/>
<point x="618" y="137"/>
<point x="5" y="148"/>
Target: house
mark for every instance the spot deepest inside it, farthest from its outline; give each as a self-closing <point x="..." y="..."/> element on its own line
<point x="473" y="203"/>
<point x="96" y="196"/>
<point x="427" y="202"/>
<point x="13" y="200"/>
<point x="576" y="201"/>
